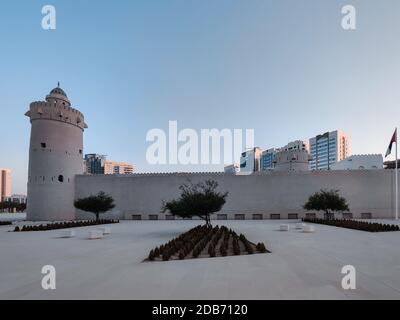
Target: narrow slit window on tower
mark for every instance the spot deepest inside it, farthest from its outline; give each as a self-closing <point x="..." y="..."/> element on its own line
<point x="61" y="178"/>
<point x="43" y="144"/>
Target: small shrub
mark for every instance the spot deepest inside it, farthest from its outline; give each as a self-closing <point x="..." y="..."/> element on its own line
<point x="223" y="251"/>
<point x="151" y="255"/>
<point x="261" y="247"/>
<point x="165" y="257"/>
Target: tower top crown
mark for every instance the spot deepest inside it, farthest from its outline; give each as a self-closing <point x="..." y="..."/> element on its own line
<point x="58" y="94"/>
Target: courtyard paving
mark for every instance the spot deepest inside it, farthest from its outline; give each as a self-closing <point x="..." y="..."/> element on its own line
<point x="301" y="265"/>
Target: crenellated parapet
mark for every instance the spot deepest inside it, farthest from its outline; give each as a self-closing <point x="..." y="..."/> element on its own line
<point x="57" y="110"/>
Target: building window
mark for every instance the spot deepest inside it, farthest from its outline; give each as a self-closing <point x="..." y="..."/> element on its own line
<point x="136" y="217"/>
<point x="43" y="145"/>
<point x="257" y="216"/>
<point x="366" y="215"/>
<point x="153" y="217"/>
<point x="275" y="216"/>
<point x="347" y="215"/>
<point x="239" y="216"/>
<point x="80" y="151"/>
<point x="293" y="216"/>
<point x="169" y="217"/>
<point x="222" y="216"/>
<point x="61" y="178"/>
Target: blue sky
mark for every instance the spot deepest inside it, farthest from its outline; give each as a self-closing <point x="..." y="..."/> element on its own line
<point x="284" y="68"/>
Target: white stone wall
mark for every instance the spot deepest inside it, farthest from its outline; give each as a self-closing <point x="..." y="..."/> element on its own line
<point x="273" y="193"/>
<point x="360" y="162"/>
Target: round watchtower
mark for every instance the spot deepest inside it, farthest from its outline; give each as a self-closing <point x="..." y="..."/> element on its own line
<point x="55" y="157"/>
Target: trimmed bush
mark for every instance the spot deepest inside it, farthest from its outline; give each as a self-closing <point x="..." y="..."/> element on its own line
<point x="193" y="243"/>
<point x="65" y="225"/>
<point x="151" y="255"/>
<point x="261" y="247"/>
<point x="356" y="225"/>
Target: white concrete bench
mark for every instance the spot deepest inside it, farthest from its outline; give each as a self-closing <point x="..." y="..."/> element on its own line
<point x="300" y="225"/>
<point x="67" y="234"/>
<point x="95" y="234"/>
<point x="308" y="228"/>
<point x="105" y="230"/>
<point x="284" y="227"/>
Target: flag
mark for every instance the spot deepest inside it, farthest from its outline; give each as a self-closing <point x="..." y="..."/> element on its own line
<point x="394" y="139"/>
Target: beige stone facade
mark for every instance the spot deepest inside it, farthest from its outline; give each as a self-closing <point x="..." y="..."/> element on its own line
<point x="5" y="183"/>
<point x="115" y="167"/>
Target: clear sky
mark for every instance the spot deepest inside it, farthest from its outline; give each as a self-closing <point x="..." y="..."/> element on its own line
<point x="285" y="68"/>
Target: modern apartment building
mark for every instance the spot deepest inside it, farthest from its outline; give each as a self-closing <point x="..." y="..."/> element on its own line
<point x="98" y="164"/>
<point x="250" y="160"/>
<point x="5" y="183"/>
<point x="94" y="163"/>
<point x="114" y="167"/>
<point x="327" y="149"/>
<point x="296" y="145"/>
<point x="268" y="159"/>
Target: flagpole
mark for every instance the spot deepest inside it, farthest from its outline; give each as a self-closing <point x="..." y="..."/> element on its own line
<point x="397" y="186"/>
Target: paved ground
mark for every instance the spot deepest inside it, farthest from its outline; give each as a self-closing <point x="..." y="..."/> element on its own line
<point x="301" y="266"/>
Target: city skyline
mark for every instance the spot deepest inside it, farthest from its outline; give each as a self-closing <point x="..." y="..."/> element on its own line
<point x="154" y="64"/>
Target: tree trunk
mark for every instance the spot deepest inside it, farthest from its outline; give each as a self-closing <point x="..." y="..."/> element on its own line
<point x="97" y="216"/>
<point x="329" y="216"/>
<point x="208" y="223"/>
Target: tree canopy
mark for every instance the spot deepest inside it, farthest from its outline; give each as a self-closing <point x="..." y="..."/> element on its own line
<point x="328" y="201"/>
<point x="10" y="205"/>
<point x="199" y="199"/>
<point x="96" y="204"/>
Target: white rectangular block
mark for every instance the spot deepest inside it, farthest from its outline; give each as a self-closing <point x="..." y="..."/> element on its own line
<point x="105" y="230"/>
<point x="308" y="228"/>
<point x="300" y="225"/>
<point x="284" y="227"/>
<point x="95" y="234"/>
<point x="67" y="234"/>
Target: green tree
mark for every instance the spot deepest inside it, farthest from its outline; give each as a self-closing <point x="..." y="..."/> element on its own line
<point x="200" y="199"/>
<point x="96" y="204"/>
<point x="328" y="201"/>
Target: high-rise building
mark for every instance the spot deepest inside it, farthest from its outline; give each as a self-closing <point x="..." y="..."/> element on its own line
<point x="268" y="159"/>
<point x="250" y="160"/>
<point x="292" y="157"/>
<point x="327" y="149"/>
<point x="114" y="167"/>
<point x="94" y="163"/>
<point x="5" y="183"/>
<point x="296" y="145"/>
<point x="98" y="164"/>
